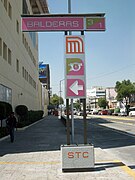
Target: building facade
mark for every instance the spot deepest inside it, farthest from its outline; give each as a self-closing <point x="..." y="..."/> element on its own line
<point x="93" y="95"/>
<point x="96" y="92"/>
<point x="19" y="77"/>
<point x="111" y="97"/>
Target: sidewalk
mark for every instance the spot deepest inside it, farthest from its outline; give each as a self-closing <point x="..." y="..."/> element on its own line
<point x="35" y="155"/>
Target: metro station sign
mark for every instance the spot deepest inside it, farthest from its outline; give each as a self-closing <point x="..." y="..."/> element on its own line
<point x="63" y="23"/>
<point x="75" y="83"/>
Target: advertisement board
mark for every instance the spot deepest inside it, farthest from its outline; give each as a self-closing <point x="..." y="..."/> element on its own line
<point x="42" y="71"/>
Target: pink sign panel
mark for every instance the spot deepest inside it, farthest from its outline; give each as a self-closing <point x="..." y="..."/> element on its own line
<point x="95" y="24"/>
<point x="75" y="88"/>
<point x="52" y="23"/>
<point x="74" y="66"/>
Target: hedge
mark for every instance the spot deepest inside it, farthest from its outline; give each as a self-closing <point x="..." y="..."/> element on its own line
<point x="5" y="109"/>
<point x="31" y="117"/>
<point x="21" y="110"/>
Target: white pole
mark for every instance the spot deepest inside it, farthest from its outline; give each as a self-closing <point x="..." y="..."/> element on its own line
<point x="72" y="105"/>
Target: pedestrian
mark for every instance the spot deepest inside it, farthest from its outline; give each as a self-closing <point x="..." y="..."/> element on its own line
<point x="11" y="125"/>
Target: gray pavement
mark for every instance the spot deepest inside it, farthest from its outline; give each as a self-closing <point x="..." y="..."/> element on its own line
<point x="36" y="155"/>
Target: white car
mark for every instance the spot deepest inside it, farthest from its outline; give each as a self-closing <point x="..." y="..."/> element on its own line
<point x="132" y="111"/>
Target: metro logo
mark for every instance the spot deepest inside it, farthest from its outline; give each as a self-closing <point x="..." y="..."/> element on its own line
<point x="74" y="45"/>
<point x="78" y="154"/>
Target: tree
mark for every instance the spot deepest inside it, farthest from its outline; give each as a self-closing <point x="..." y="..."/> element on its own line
<point x="77" y="105"/>
<point x="102" y="103"/>
<point x="56" y="100"/>
<point x="125" y="90"/>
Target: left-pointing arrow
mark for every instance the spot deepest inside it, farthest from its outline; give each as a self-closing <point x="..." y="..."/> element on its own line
<point x="75" y="88"/>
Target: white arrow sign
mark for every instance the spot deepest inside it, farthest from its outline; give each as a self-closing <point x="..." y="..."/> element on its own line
<point x="75" y="87"/>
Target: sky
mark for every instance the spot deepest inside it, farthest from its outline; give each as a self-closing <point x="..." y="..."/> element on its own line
<point x="109" y="55"/>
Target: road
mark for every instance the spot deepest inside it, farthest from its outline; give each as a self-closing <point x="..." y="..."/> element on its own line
<point x="115" y="135"/>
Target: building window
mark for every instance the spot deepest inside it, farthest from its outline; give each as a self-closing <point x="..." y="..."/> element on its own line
<point x="27" y="77"/>
<point x="23" y="72"/>
<point x="10" y="10"/>
<point x="17" y="26"/>
<point x="4" y="51"/>
<point x="5" y="94"/>
<point x="30" y="79"/>
<point x="5" y="4"/>
<point x="25" y="8"/>
<point x="0" y="46"/>
<point x="17" y="65"/>
<point x="9" y="56"/>
<point x="23" y="39"/>
<point x="33" y="38"/>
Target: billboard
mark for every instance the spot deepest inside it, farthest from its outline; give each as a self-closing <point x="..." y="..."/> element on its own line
<point x="42" y="71"/>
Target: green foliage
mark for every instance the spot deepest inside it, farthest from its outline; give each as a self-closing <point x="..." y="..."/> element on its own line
<point x="21" y="110"/>
<point x="111" y="110"/>
<point x="31" y="117"/>
<point x="77" y="105"/>
<point x="117" y="110"/>
<point x="102" y="103"/>
<point x="56" y="100"/>
<point x="124" y="89"/>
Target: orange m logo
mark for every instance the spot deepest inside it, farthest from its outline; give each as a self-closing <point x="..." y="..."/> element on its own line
<point x="74" y="45"/>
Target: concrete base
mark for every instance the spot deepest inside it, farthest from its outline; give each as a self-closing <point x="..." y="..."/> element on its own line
<point x="77" y="157"/>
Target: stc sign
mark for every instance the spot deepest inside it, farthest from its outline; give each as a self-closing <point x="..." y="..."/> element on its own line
<point x="75" y="67"/>
<point x="77" y="156"/>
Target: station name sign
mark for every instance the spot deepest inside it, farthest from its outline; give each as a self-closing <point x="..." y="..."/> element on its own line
<point x="63" y="23"/>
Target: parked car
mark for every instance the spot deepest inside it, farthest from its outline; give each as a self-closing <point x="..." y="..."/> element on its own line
<point x="104" y="112"/>
<point x="122" y="114"/>
<point x="132" y="111"/>
<point x="95" y="111"/>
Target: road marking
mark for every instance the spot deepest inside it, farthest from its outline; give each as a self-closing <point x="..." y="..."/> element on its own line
<point x="113" y="117"/>
<point x="131" y="124"/>
<point x="126" y="168"/>
<point x="120" y="164"/>
<point x="32" y="162"/>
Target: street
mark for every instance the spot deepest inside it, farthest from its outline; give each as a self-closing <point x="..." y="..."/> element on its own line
<point x="114" y="135"/>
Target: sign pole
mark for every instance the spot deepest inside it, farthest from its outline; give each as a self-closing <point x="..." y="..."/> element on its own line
<point x="72" y="105"/>
<point x="85" y="121"/>
<point x="84" y="114"/>
<point x="67" y="120"/>
<point x="72" y="117"/>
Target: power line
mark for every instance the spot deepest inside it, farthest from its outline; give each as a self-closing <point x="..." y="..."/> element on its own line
<point x="105" y="74"/>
